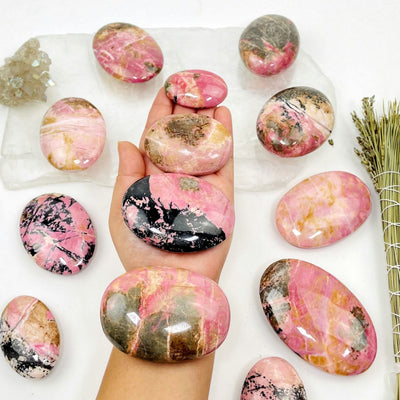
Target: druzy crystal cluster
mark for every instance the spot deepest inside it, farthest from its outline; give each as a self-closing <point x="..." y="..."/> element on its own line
<point x="25" y="76"/>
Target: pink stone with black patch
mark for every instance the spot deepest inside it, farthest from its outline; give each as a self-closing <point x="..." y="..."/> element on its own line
<point x="196" y="88"/>
<point x="58" y="233"/>
<point x="269" y="45"/>
<point x="127" y="52"/>
<point x="29" y="337"/>
<point x="72" y="134"/>
<point x="318" y="317"/>
<point x="323" y="209"/>
<point x="177" y="212"/>
<point x="295" y="121"/>
<point x="273" y="378"/>
<point x="165" y="314"/>
<point x="193" y="144"/>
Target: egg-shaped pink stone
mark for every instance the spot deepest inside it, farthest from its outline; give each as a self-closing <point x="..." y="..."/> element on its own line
<point x="165" y="314"/>
<point x="323" y="209"/>
<point x="273" y="378"/>
<point x="196" y="88"/>
<point x="72" y="134"/>
<point x="318" y="317"/>
<point x="127" y="52"/>
<point x="29" y="337"/>
<point x="192" y="144"/>
<point x="295" y="121"/>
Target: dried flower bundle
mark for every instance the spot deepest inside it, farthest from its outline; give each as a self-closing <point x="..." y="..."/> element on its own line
<point x="379" y="140"/>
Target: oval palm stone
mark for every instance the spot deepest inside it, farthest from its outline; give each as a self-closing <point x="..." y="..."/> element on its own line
<point x="318" y="317"/>
<point x="192" y="144"/>
<point x="58" y="233"/>
<point x="29" y="337"/>
<point x="127" y="52"/>
<point x="179" y="213"/>
<point x="323" y="209"/>
<point x="273" y="378"/>
<point x="72" y="134"/>
<point x="196" y="88"/>
<point x="269" y="45"/>
<point x="165" y="314"/>
<point x="295" y="121"/>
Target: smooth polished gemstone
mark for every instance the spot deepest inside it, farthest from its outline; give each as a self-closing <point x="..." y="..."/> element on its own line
<point x="295" y="121"/>
<point x="193" y="144"/>
<point x="273" y="378"/>
<point x="178" y="212"/>
<point x="165" y="314"/>
<point x="58" y="233"/>
<point x="72" y="134"/>
<point x="29" y="337"/>
<point x="196" y="88"/>
<point x="269" y="45"/>
<point x="127" y="52"/>
<point x="323" y="209"/>
<point x="318" y="317"/>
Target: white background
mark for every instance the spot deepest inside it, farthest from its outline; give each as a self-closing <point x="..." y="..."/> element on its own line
<point x="356" y="44"/>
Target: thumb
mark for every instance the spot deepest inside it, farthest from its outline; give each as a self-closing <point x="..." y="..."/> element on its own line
<point x="131" y="168"/>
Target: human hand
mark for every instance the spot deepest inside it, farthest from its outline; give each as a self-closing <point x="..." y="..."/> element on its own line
<point x="134" y="165"/>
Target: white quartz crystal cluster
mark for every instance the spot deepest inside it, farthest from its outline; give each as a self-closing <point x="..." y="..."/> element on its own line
<point x="25" y="76"/>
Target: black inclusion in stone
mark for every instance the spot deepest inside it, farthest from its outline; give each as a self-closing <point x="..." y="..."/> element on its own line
<point x="169" y="228"/>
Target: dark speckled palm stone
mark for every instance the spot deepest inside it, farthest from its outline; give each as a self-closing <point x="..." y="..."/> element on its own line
<point x="58" y="233"/>
<point x="177" y="212"/>
<point x="269" y="45"/>
<point x="165" y="314"/>
<point x="273" y="378"/>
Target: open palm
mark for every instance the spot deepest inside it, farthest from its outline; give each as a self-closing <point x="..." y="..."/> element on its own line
<point x="134" y="165"/>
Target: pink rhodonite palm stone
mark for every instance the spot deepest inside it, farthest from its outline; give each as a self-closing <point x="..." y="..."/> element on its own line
<point x="165" y="314"/>
<point x="295" y="121"/>
<point x="72" y="134"/>
<point x="192" y="144"/>
<point x="323" y="209"/>
<point x="196" y="88"/>
<point x="273" y="378"/>
<point x="318" y="317"/>
<point x="127" y="52"/>
<point x="269" y="45"/>
<point x="29" y="337"/>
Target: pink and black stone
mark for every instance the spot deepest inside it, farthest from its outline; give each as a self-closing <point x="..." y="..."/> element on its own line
<point x="165" y="314"/>
<point x="318" y="317"/>
<point x="58" y="233"/>
<point x="295" y="121"/>
<point x="269" y="45"/>
<point x="29" y="337"/>
<point x="273" y="378"/>
<point x="192" y="144"/>
<point x="127" y="52"/>
<point x="178" y="213"/>
<point x="196" y="88"/>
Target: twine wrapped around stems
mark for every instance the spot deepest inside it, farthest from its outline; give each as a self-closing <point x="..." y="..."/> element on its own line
<point x="379" y="140"/>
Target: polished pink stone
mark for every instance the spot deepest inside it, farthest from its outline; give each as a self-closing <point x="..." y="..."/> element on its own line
<point x="72" y="134"/>
<point x="295" y="121"/>
<point x="58" y="233"/>
<point x="196" y="88"/>
<point x="177" y="212"/>
<point x="29" y="337"/>
<point x="193" y="144"/>
<point x="323" y="209"/>
<point x="127" y="52"/>
<point x="269" y="45"/>
<point x="273" y="378"/>
<point x="318" y="317"/>
<point x="165" y="314"/>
